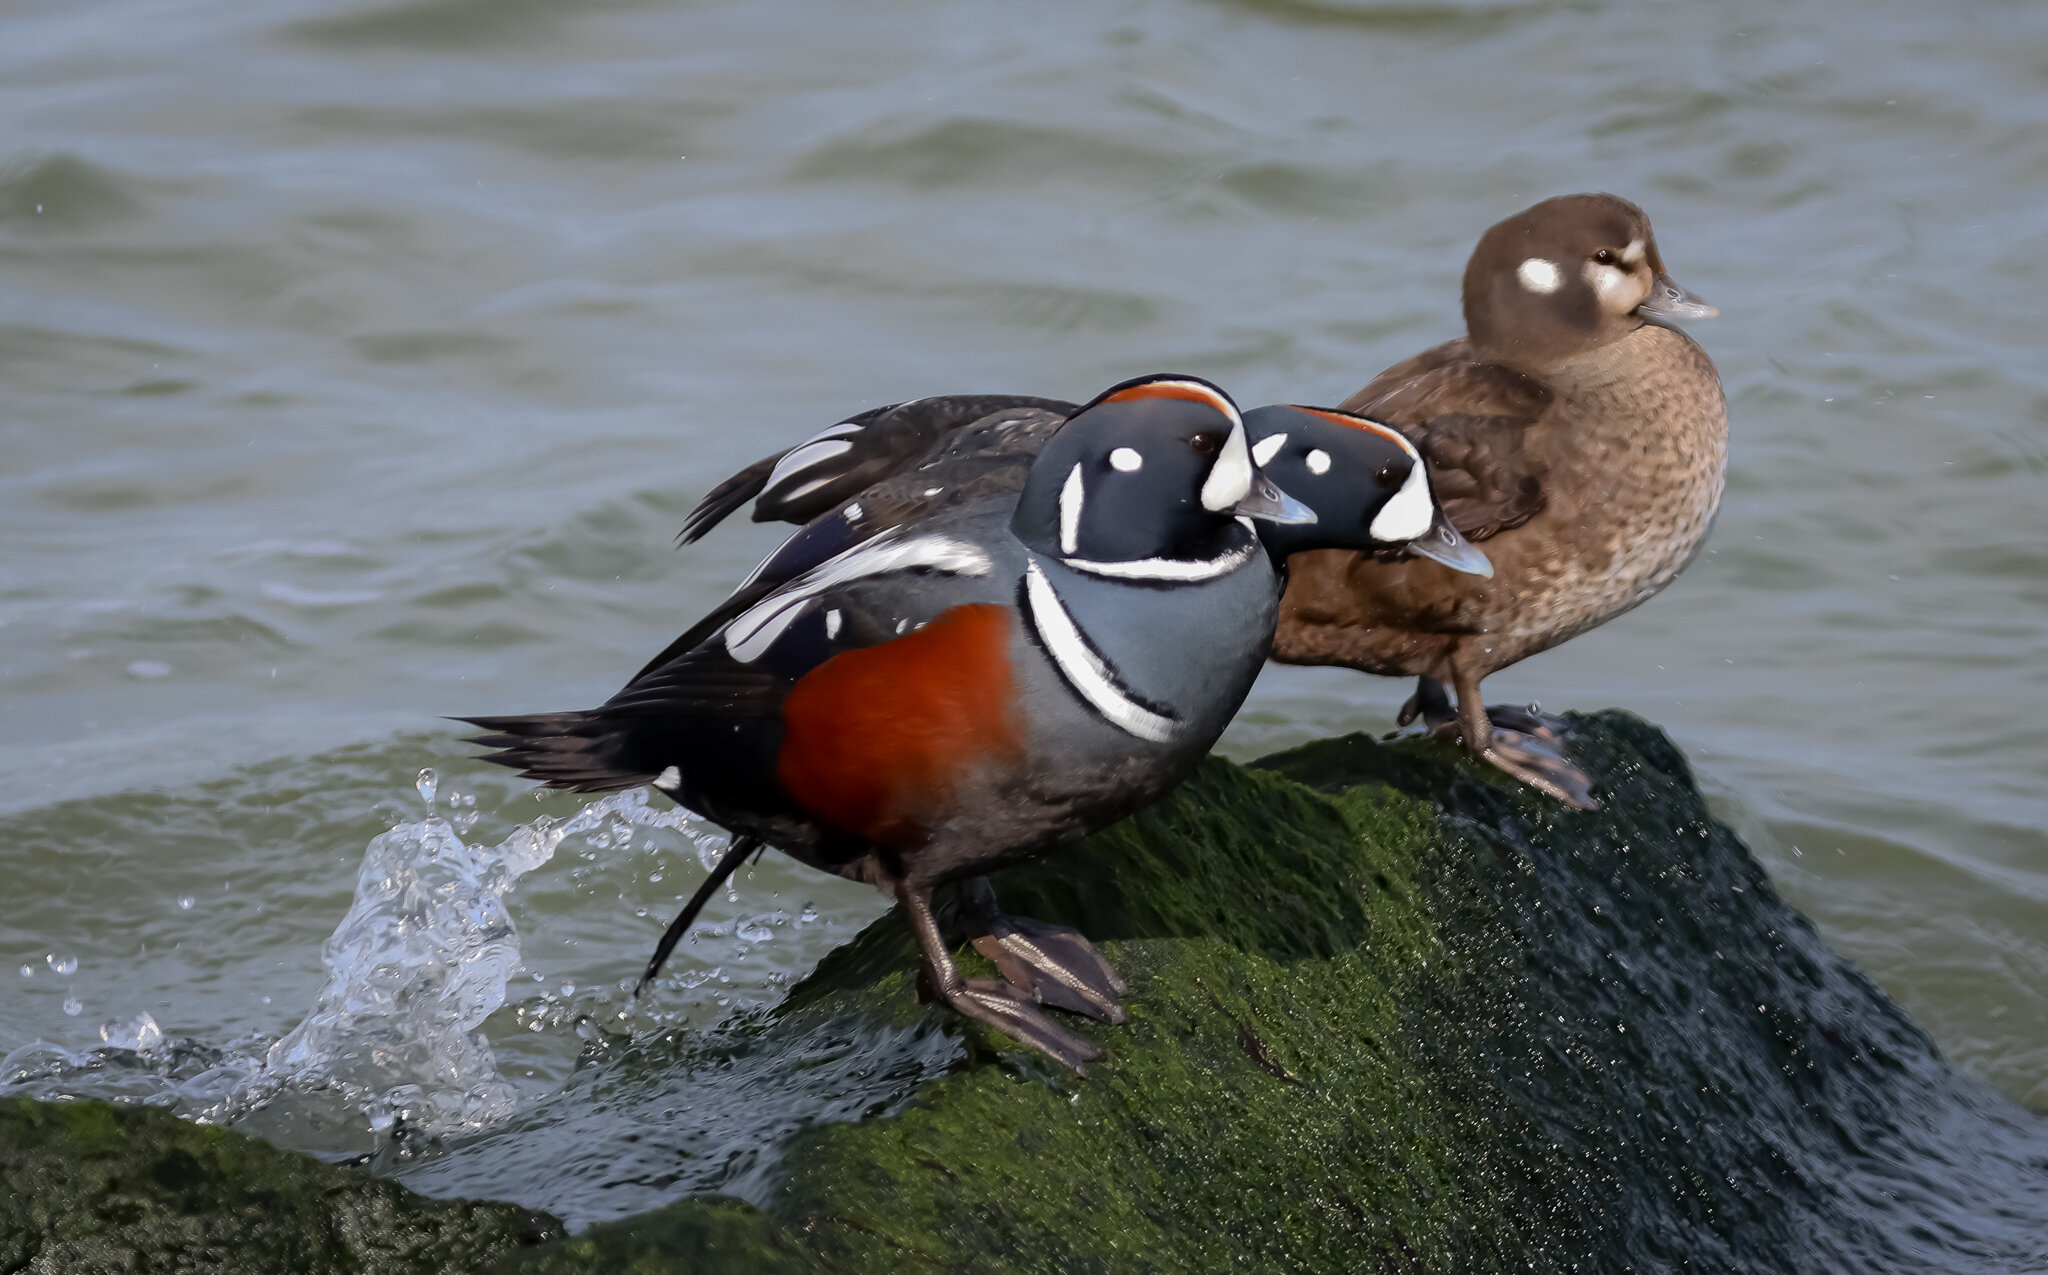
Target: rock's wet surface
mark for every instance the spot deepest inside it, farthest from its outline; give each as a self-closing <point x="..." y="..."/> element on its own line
<point x="1386" y="1014"/>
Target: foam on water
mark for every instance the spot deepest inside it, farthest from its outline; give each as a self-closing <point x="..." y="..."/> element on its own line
<point x="393" y="1042"/>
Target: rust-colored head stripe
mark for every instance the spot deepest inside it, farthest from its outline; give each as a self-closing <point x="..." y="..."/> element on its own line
<point x="1348" y="421"/>
<point x="1184" y="391"/>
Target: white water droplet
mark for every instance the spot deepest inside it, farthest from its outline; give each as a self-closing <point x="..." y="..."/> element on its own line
<point x="28" y="971"/>
<point x="185" y="902"/>
<point x="138" y="1033"/>
<point x="66" y="965"/>
<point x="429" y="783"/>
<point x="73" y="1006"/>
<point x="568" y="990"/>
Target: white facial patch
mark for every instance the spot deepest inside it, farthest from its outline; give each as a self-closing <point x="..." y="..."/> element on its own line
<point x="1125" y="460"/>
<point x="1071" y="498"/>
<point x="833" y="622"/>
<point x="1268" y="447"/>
<point x="1633" y="253"/>
<point x="1230" y="480"/>
<point x="669" y="780"/>
<point x="1318" y="462"/>
<point x="1087" y="672"/>
<point x="1539" y="276"/>
<point x="1617" y="291"/>
<point x="1409" y="513"/>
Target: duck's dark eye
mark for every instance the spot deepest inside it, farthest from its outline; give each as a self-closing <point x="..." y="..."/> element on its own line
<point x="1606" y="257"/>
<point x="1207" y="444"/>
<point x="1390" y="475"/>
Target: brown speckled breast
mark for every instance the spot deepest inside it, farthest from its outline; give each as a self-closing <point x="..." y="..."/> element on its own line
<point x="1632" y="456"/>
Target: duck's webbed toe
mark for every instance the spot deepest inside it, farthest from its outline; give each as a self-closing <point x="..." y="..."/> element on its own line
<point x="1527" y="721"/>
<point x="1001" y="1006"/>
<point x="1535" y="759"/>
<point x="1054" y="965"/>
<point x="1012" y="1011"/>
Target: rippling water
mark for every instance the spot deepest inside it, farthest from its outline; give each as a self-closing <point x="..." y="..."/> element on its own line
<point x="361" y="359"/>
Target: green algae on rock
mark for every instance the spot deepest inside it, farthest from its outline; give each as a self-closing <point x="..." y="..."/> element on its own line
<point x="1389" y="1013"/>
<point x="91" y="1187"/>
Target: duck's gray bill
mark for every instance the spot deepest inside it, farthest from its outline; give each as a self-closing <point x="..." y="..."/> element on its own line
<point x="1266" y="502"/>
<point x="1442" y="543"/>
<point x="1669" y="301"/>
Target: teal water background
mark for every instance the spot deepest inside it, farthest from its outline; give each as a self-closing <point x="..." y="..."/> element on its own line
<point x="358" y="362"/>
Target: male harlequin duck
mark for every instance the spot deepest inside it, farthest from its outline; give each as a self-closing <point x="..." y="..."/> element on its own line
<point x="1348" y="467"/>
<point x="1579" y="440"/>
<point x="990" y="662"/>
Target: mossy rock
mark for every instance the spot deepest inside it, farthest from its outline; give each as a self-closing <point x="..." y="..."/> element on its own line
<point x="86" y="1188"/>
<point x="1390" y="1013"/>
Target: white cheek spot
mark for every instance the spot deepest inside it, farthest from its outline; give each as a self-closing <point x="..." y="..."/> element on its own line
<point x="1613" y="286"/>
<point x="854" y="512"/>
<point x="1318" y="462"/>
<point x="1539" y="276"/>
<point x="1071" y="498"/>
<point x="833" y="621"/>
<point x="1634" y="252"/>
<point x="1269" y="447"/>
<point x="669" y="780"/>
<point x="1125" y="460"/>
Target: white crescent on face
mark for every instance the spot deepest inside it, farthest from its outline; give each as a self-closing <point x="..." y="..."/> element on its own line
<point x="1230" y="479"/>
<point x="1409" y="513"/>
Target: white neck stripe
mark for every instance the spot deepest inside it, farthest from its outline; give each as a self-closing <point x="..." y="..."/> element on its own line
<point x="1088" y="673"/>
<point x="1168" y="568"/>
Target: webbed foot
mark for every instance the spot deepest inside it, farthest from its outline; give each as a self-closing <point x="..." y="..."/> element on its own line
<point x="1524" y="742"/>
<point x="1052" y="964"/>
<point x="1537" y="762"/>
<point x="1015" y="1013"/>
<point x="1003" y="1007"/>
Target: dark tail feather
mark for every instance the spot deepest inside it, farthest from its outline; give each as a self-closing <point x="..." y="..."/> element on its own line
<point x="726" y="497"/>
<point x="725" y="867"/>
<point x="578" y="751"/>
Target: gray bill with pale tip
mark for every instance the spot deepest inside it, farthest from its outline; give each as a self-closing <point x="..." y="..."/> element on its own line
<point x="1442" y="543"/>
<point x="1267" y="503"/>
<point x="1667" y="300"/>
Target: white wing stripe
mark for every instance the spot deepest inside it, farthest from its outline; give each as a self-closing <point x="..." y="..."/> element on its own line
<point x="756" y="629"/>
<point x="804" y="455"/>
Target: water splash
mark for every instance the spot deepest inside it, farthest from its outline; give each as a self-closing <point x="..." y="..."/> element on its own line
<point x="393" y="1044"/>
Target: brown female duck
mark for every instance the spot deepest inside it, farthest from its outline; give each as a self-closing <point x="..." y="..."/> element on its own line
<point x="1580" y="439"/>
